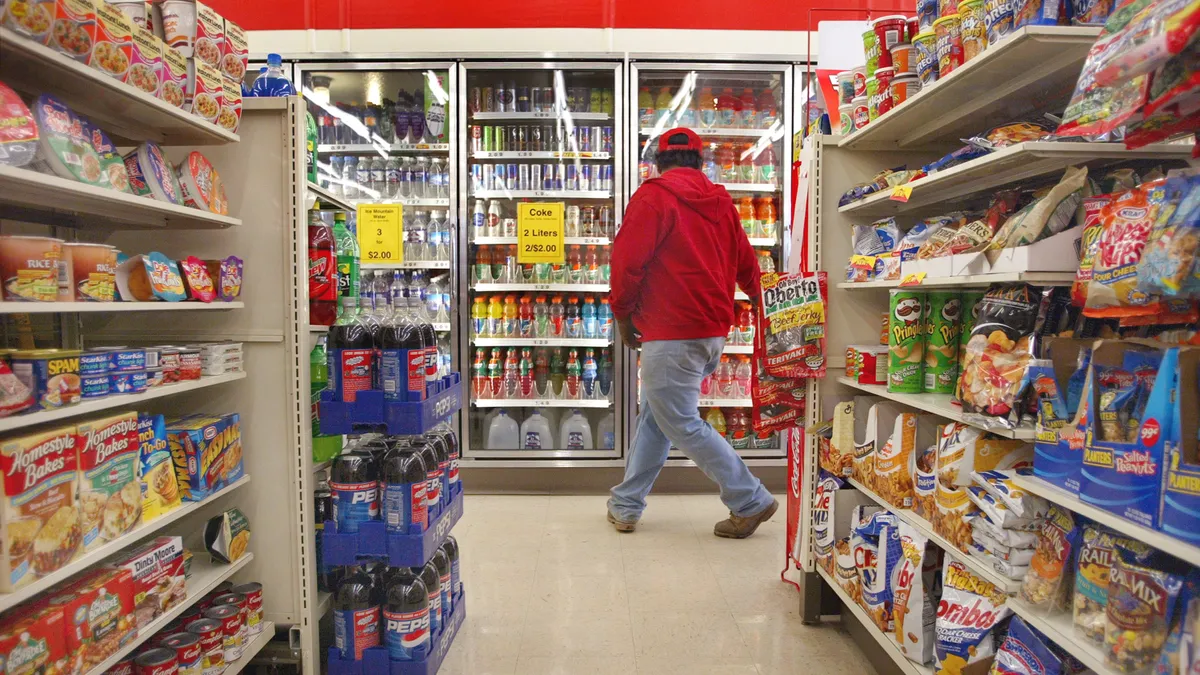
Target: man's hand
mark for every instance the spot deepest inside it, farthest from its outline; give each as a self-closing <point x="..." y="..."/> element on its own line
<point x="629" y="334"/>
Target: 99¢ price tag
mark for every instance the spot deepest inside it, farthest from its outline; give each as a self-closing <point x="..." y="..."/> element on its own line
<point x="381" y="233"/>
<point x="540" y="233"/>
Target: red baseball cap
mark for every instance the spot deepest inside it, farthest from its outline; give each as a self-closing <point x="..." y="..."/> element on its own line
<point x="679" y="138"/>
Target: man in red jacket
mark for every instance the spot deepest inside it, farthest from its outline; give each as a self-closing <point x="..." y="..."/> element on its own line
<point x="675" y="261"/>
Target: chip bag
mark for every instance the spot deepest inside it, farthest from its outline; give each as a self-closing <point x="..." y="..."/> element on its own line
<point x="1127" y="221"/>
<point x="998" y="353"/>
<point x="970" y="609"/>
<point x="916" y="586"/>
<point x="1089" y="246"/>
<point x="1025" y="651"/>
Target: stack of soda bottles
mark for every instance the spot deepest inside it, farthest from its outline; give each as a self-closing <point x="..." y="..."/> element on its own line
<point x="529" y="373"/>
<point x="741" y="333"/>
<point x="578" y="221"/>
<point x="709" y="110"/>
<point x="498" y="264"/>
<point x="542" y="315"/>
<point x="736" y="425"/>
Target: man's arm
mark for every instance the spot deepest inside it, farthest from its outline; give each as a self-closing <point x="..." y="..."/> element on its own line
<point x="633" y="249"/>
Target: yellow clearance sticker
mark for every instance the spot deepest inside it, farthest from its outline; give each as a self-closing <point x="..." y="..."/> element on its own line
<point x="381" y="232"/>
<point x="540" y="233"/>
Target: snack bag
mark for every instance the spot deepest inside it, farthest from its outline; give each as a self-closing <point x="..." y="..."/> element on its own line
<point x="1097" y="552"/>
<point x="998" y="354"/>
<point x="924" y="472"/>
<point x="1015" y="539"/>
<point x="845" y="571"/>
<point x="1025" y="651"/>
<point x="1045" y="216"/>
<point x="823" y="525"/>
<point x="916" y="586"/>
<point x="1000" y="486"/>
<point x="1168" y="261"/>
<point x="840" y="459"/>
<point x="970" y="608"/>
<point x="893" y="476"/>
<point x="1089" y="246"/>
<point x="875" y="556"/>
<point x="793" y="334"/>
<point x="1048" y="583"/>
<point x="778" y="401"/>
<point x="995" y="511"/>
<point x="938" y="243"/>
<point x="1140" y="611"/>
<point x="1127" y="221"/>
<point x="1149" y="34"/>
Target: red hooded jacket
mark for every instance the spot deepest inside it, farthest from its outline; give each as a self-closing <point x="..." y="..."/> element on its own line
<point x="677" y="256"/>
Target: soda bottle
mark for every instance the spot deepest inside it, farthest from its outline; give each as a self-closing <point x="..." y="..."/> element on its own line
<point x="526" y="375"/>
<point x="589" y="373"/>
<point x="541" y="372"/>
<point x="525" y="317"/>
<point x="662" y="107"/>
<point x="478" y="221"/>
<point x="428" y="574"/>
<point x="495" y="317"/>
<point x="591" y="273"/>
<point x="557" y="317"/>
<point x="351" y="354"/>
<point x="574" y="265"/>
<point x="604" y="373"/>
<point x="741" y="377"/>
<point x="354" y="483"/>
<point x="479" y="381"/>
<point x="574" y="322"/>
<point x="573" y="376"/>
<point x="745" y="324"/>
<point x="604" y="320"/>
<point x="558" y="373"/>
<point x="716" y="420"/>
<point x="707" y="108"/>
<point x="726" y="109"/>
<point x="708" y="163"/>
<point x="768" y="110"/>
<point x="324" y="448"/>
<point x="346" y="253"/>
<point x="764" y="166"/>
<point x="403" y="355"/>
<point x="541" y="318"/>
<point x="442" y="563"/>
<point x="764" y="213"/>
<point x="451" y="549"/>
<point x="495" y="375"/>
<point x="511" y="313"/>
<point x="724" y="378"/>
<point x="749" y="113"/>
<point x="402" y="475"/>
<point x="322" y="272"/>
<point x="745" y="209"/>
<point x="273" y="82"/>
<point x="310" y="146"/>
<point x="739" y="429"/>
<point x="356" y="605"/>
<point x="512" y="380"/>
<point x="407" y="630"/>
<point x="766" y="264"/>
<point x="727" y="163"/>
<point x="745" y="163"/>
<point x="428" y="336"/>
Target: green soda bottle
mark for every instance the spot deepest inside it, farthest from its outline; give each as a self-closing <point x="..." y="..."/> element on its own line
<point x="310" y="146"/>
<point x="345" y="249"/>
<point x="324" y="448"/>
<point x="558" y="373"/>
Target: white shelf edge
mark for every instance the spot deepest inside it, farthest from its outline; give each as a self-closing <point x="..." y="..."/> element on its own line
<point x="1059" y="629"/>
<point x="327" y="197"/>
<point x="205" y="577"/>
<point x="11" y="307"/>
<point x="550" y="116"/>
<point x="251" y="649"/>
<point x="750" y="187"/>
<point x="933" y="403"/>
<point x="1186" y="552"/>
<point x="565" y="288"/>
<point x="732" y="132"/>
<point x="536" y="403"/>
<point x="889" y="646"/>
<point x="353" y="148"/>
<point x="540" y="194"/>
<point x="96" y="556"/>
<point x="762" y="241"/>
<point x="540" y="342"/>
<point x="1038" y="278"/>
<point x="539" y="154"/>
<point x="581" y="241"/>
<point x="408" y="265"/>
<point x="739" y="349"/>
<point x="977" y="566"/>
<point x="117" y="401"/>
<point x="726" y="402"/>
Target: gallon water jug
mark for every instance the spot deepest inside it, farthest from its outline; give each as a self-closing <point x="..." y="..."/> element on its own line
<point x="576" y="433"/>
<point x="502" y="433"/>
<point x="535" y="433"/>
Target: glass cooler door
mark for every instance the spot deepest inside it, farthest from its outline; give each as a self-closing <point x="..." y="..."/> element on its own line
<point x="541" y="343"/>
<point x="743" y="114"/>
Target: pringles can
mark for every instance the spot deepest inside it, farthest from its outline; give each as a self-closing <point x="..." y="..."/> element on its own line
<point x="906" y="342"/>
<point x="943" y="327"/>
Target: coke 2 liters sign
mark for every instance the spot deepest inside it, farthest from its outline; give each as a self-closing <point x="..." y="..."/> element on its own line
<point x="793" y="337"/>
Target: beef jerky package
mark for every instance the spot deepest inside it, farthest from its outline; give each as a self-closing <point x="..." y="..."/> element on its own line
<point x="778" y="401"/>
<point x="916" y="587"/>
<point x="793" y="334"/>
<point x="970" y="610"/>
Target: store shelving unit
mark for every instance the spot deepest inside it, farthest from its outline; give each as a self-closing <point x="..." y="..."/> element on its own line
<point x="1058" y="628"/>
<point x="886" y="642"/>
<point x="107" y="307"/>
<point x="382" y="148"/>
<point x="327" y="198"/>
<point x="564" y="288"/>
<point x="539" y="154"/>
<point x="539" y="403"/>
<point x="577" y="241"/>
<point x="251" y="648"/>
<point x="973" y="280"/>
<point x="541" y="342"/>
<point x="542" y="194"/>
<point x="938" y="404"/>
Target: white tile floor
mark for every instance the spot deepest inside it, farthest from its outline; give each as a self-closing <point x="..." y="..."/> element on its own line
<point x="553" y="588"/>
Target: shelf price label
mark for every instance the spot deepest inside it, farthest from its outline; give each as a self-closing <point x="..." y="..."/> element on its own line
<point x="540" y="233"/>
<point x="914" y="279"/>
<point x="901" y="193"/>
<point x="381" y="232"/>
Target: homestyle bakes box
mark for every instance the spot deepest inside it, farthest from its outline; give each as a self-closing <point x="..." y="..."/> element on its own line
<point x="110" y="495"/>
<point x="207" y="452"/>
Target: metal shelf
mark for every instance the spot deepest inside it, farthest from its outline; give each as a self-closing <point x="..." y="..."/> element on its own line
<point x="1058" y="628"/>
<point x="540" y="342"/>
<point x="408" y="265"/>
<point x="128" y="114"/>
<point x="726" y="132"/>
<point x="53" y="200"/>
<point x="1008" y="165"/>
<point x="726" y="402"/>
<point x="116" y="401"/>
<point x="382" y="149"/>
<point x="977" y="565"/>
<point x="541" y="194"/>
<point x="1033" y="70"/>
<point x="326" y="197"/>
<point x="537" y="403"/>
<point x="739" y="349"/>
<point x="405" y="201"/>
<point x="938" y="404"/>
<point x="84" y="307"/>
<point x="974" y="280"/>
<point x="885" y="641"/>
<point x="252" y="648"/>
<point x="750" y="187"/>
<point x="538" y="154"/>
<point x="557" y="114"/>
<point x="98" y="555"/>
<point x="1186" y="552"/>
<point x="566" y="288"/>
<point x="324" y="603"/>
<point x="580" y="241"/>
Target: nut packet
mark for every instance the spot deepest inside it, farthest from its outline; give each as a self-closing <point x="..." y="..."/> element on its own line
<point x="970" y="610"/>
<point x="1047" y="586"/>
<point x="1139" y="614"/>
<point x="1097" y="550"/>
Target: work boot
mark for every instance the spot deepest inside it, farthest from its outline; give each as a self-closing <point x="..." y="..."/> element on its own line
<point x="622" y="525"/>
<point x="740" y="527"/>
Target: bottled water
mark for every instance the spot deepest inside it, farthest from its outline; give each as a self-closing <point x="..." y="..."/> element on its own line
<point x="439" y="244"/>
<point x="392" y="177"/>
<point x="435" y="178"/>
<point x="350" y="177"/>
<point x="379" y="177"/>
<point x="503" y="432"/>
<point x="444" y="181"/>
<point x="333" y="180"/>
<point x="433" y="298"/>
<point x="575" y="433"/>
<point x="535" y="432"/>
<point x="406" y="179"/>
<point x="420" y="180"/>
<point x="418" y="236"/>
<point x="362" y="176"/>
<point x="396" y="289"/>
<point x="444" y="356"/>
<point x="272" y="82"/>
<point x="417" y="287"/>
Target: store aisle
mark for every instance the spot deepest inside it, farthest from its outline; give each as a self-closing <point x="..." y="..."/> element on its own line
<point x="552" y="588"/>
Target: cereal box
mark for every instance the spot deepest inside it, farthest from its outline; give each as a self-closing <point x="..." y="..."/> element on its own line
<point x="231" y="105"/>
<point x="970" y="609"/>
<point x="1057" y="383"/>
<point x="114" y="41"/>
<point x="175" y="78"/>
<point x="110" y="496"/>
<point x="160" y="489"/>
<point x="38" y="514"/>
<point x="1125" y="476"/>
<point x="206" y="90"/>
<point x="98" y="610"/>
<point x="235" y="50"/>
<point x="74" y="29"/>
<point x="145" y="68"/>
<point x="1181" y="491"/>
<point x="207" y="452"/>
<point x="158" y="578"/>
<point x="34" y="642"/>
<point x="210" y="36"/>
<point x="893" y="461"/>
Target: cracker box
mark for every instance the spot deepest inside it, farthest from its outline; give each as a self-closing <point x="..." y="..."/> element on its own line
<point x="38" y="512"/>
<point x="114" y="42"/>
<point x="34" y="641"/>
<point x="110" y="495"/>
<point x="893" y="461"/>
<point x="207" y="452"/>
<point x="145" y="69"/>
<point x="98" y="611"/>
<point x="1058" y="440"/>
<point x="158" y="578"/>
<point x="1126" y="478"/>
<point x="174" y="89"/>
<point x="1181" y="491"/>
<point x="160" y="488"/>
<point x="832" y="506"/>
<point x="205" y="91"/>
<point x="235" y="50"/>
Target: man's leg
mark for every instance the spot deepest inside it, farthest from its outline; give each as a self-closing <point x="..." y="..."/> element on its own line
<point x="671" y="375"/>
<point x="647" y="454"/>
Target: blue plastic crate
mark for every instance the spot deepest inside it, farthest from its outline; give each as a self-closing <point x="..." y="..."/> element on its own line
<point x="369" y="412"/>
<point x="375" y="660"/>
<point x="401" y="550"/>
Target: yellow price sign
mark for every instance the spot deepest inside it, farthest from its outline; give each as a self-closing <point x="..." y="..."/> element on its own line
<point x="381" y="233"/>
<point x="540" y="233"/>
<point x="914" y="279"/>
<point x="901" y="193"/>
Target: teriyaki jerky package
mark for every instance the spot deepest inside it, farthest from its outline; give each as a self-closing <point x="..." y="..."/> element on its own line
<point x="793" y="326"/>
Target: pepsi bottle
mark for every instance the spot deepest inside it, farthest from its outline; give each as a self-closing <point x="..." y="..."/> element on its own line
<point x="350" y="354"/>
<point x="451" y="550"/>
<point x="448" y="437"/>
<point x="406" y="622"/>
<point x="443" y="455"/>
<point x="356" y="609"/>
<point x="402" y="476"/>
<point x="442" y="562"/>
<point x="416" y="307"/>
<point x="433" y="472"/>
<point x="323" y="510"/>
<point x="354" y="488"/>
<point x="433" y="590"/>
<point x="402" y="356"/>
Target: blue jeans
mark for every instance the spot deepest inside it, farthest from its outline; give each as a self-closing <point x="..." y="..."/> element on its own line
<point x="671" y="374"/>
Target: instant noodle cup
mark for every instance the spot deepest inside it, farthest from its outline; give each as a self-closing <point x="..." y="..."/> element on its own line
<point x="906" y="342"/>
<point x="871" y="49"/>
<point x="74" y="29"/>
<point x="872" y="98"/>
<point x="902" y="59"/>
<point x="179" y="25"/>
<point x="136" y="11"/>
<point x="903" y="88"/>
<point x="860" y="81"/>
<point x="18" y="130"/>
<point x="149" y="277"/>
<point x="207" y="90"/>
<point x="114" y="42"/>
<point x="110" y="162"/>
<point x="145" y="62"/>
<point x="234" y="53"/>
<point x="846" y="116"/>
<point x="94" y="267"/>
<point x="174" y="77"/>
<point x="862" y="113"/>
<point x="29" y="268"/>
<point x="64" y="147"/>
<point x="29" y="18"/>
<point x="151" y="175"/>
<point x="845" y="86"/>
<point x="925" y="54"/>
<point x="943" y="326"/>
<point x="948" y="36"/>
<point x="202" y="186"/>
<point x="889" y="32"/>
<point x="973" y="28"/>
<point x="997" y="19"/>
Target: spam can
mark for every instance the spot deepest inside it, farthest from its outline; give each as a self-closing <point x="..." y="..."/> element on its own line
<point x="943" y="326"/>
<point x="906" y="342"/>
